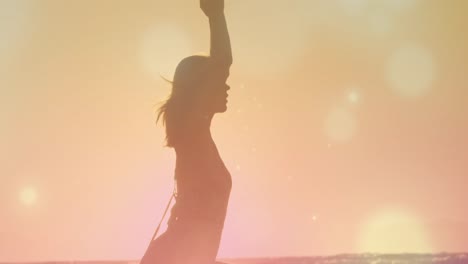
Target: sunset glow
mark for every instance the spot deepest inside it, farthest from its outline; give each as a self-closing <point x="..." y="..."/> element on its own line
<point x="345" y="131"/>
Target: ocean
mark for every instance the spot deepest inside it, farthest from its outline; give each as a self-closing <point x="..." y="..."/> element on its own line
<point x="442" y="258"/>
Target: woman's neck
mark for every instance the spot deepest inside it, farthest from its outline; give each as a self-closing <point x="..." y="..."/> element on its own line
<point x="199" y="127"/>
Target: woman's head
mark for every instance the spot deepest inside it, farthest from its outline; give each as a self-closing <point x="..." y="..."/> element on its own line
<point x="199" y="88"/>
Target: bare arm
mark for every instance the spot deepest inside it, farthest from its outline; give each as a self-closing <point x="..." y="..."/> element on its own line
<point x="220" y="42"/>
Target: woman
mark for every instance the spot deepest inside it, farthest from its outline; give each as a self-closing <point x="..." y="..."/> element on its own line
<point x="199" y="91"/>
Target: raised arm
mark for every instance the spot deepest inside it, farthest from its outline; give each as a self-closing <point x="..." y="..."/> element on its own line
<point x="220" y="42"/>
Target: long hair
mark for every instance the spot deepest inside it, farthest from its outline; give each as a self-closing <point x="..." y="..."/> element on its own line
<point x="174" y="112"/>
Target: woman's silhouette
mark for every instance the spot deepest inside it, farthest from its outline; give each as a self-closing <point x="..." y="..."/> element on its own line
<point x="199" y="91"/>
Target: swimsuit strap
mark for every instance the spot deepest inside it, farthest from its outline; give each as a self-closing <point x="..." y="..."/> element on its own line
<point x="174" y="195"/>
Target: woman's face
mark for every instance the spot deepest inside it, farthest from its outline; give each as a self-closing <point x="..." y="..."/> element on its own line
<point x="213" y="93"/>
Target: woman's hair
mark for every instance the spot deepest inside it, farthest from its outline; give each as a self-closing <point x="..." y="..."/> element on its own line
<point x="189" y="75"/>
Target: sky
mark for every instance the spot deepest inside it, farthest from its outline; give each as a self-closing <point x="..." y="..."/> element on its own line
<point x="346" y="128"/>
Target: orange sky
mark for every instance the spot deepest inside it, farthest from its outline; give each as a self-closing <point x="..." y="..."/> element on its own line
<point x="346" y="128"/>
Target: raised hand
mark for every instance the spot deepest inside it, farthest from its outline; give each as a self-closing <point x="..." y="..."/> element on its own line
<point x="212" y="8"/>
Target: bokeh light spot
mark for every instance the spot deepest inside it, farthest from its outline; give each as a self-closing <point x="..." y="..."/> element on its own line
<point x="411" y="71"/>
<point x="340" y="125"/>
<point x="28" y="196"/>
<point x="393" y="231"/>
<point x="353" y="97"/>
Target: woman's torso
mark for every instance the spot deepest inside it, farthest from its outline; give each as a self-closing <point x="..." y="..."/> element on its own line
<point x="197" y="218"/>
<point x="203" y="186"/>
